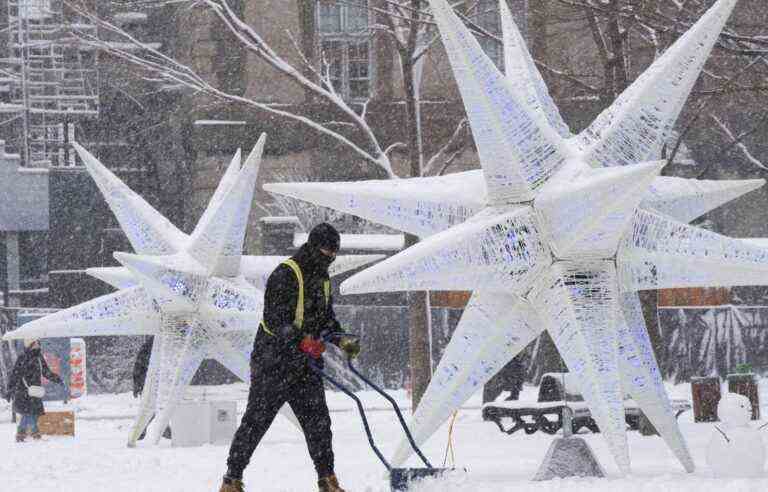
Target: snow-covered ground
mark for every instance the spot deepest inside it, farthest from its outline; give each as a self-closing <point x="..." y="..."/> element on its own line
<point x="98" y="460"/>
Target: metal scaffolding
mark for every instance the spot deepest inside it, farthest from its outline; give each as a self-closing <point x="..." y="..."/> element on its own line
<point x="52" y="79"/>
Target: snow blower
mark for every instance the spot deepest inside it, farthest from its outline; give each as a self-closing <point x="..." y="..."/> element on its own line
<point x="399" y="478"/>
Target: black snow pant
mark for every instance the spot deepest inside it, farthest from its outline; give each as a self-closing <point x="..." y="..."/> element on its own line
<point x="306" y="396"/>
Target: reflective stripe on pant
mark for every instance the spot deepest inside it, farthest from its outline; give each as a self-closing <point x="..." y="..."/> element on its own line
<point x="28" y="422"/>
<point x="306" y="396"/>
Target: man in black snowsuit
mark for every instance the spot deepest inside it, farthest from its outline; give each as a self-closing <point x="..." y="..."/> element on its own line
<point x="298" y="316"/>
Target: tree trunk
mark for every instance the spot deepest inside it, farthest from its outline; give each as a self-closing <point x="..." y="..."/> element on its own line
<point x="649" y="300"/>
<point x="619" y="79"/>
<point x="418" y="302"/>
<point x="419" y="343"/>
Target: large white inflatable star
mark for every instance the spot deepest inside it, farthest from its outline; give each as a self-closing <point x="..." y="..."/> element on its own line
<point x="557" y="232"/>
<point x="196" y="294"/>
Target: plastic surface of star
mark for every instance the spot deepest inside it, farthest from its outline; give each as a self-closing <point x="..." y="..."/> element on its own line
<point x="556" y="232"/>
<point x="196" y="294"/>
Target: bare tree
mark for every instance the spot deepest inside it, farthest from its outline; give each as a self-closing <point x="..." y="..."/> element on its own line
<point x="591" y="50"/>
<point x="624" y="36"/>
<point x="407" y="24"/>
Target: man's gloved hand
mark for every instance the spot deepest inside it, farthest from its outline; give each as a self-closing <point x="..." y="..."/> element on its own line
<point x="350" y="346"/>
<point x="312" y="347"/>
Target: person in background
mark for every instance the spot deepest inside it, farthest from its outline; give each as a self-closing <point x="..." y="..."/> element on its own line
<point x="29" y="370"/>
<point x="141" y="365"/>
<point x="298" y="319"/>
<point x="509" y="378"/>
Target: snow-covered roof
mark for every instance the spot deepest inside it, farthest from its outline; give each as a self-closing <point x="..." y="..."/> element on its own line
<point x="33" y="170"/>
<point x="28" y="311"/>
<point x="42" y="290"/>
<point x="376" y="242"/>
<point x="284" y="219"/>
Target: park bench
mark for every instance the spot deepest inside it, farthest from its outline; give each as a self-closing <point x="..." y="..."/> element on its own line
<point x="557" y="392"/>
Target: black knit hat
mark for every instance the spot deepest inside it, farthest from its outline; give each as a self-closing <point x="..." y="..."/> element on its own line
<point x="324" y="236"/>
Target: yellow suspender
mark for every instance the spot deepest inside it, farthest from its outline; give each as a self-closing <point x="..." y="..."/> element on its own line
<point x="298" y="320"/>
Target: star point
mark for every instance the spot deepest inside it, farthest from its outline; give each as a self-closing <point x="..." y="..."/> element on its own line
<point x="197" y="295"/>
<point x="569" y="228"/>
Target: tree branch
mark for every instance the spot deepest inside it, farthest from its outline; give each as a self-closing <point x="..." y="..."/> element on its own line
<point x="168" y="69"/>
<point x="738" y="141"/>
<point x="456" y="140"/>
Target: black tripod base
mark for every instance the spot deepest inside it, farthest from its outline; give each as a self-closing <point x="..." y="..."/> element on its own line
<point x="402" y="478"/>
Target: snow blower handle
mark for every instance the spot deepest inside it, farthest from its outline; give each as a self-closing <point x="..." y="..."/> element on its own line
<point x="328" y="337"/>
<point x="313" y="365"/>
<point x="396" y="407"/>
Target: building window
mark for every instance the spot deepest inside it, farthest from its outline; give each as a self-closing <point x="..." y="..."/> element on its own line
<point x="345" y="46"/>
<point x="486" y="15"/>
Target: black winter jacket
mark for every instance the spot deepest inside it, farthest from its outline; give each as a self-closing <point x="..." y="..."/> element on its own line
<point x="280" y="347"/>
<point x="29" y="369"/>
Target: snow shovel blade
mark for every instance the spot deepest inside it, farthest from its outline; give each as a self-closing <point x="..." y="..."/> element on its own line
<point x="402" y="478"/>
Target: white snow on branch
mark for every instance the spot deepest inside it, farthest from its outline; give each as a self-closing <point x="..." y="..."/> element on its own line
<point x="130" y="17"/>
<point x="169" y="71"/>
<point x="738" y="143"/>
<point x="115" y="45"/>
<point x="219" y="122"/>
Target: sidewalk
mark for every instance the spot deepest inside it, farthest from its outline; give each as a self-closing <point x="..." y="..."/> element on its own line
<point x="123" y="406"/>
